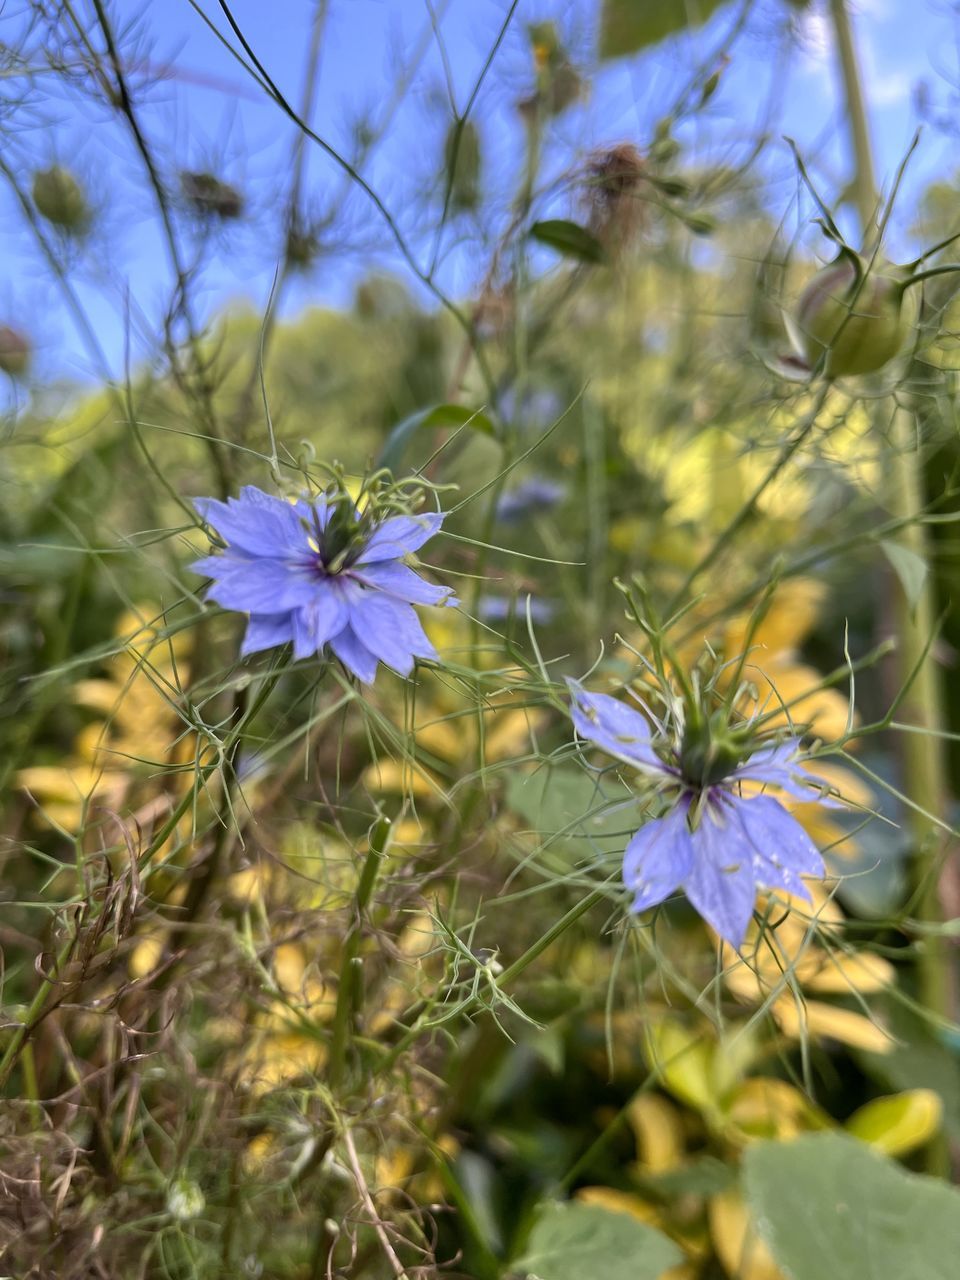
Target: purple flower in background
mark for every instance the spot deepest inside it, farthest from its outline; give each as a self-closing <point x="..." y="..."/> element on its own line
<point x="499" y="609"/>
<point x="316" y="573"/>
<point x="529" y="497"/>
<point x="716" y="844"/>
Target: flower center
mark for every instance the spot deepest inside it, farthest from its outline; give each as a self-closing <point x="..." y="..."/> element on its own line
<point x="708" y="754"/>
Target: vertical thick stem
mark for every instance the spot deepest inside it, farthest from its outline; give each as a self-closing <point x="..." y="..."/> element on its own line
<point x="923" y="753"/>
<point x="348" y="987"/>
<point x="864" y="180"/>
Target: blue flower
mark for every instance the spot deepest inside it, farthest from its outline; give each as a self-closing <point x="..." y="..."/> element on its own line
<point x="499" y="609"/>
<point x="528" y="498"/>
<point x="715" y="844"/>
<point x="315" y="573"/>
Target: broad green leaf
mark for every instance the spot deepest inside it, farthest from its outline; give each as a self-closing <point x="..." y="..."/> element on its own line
<point x="570" y="239"/>
<point x="570" y="809"/>
<point x="909" y="567"/>
<point x="436" y="418"/>
<point x="828" y="1205"/>
<point x="629" y="25"/>
<point x="900" y="1123"/>
<point x="577" y="1241"/>
<point x="704" y="1176"/>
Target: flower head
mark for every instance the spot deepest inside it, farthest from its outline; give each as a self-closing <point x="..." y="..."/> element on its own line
<point x="529" y="498"/>
<point x="318" y="573"/>
<point x="717" y="844"/>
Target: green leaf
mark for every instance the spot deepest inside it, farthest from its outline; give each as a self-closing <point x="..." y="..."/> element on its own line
<point x="703" y="1176"/>
<point x="827" y="1204"/>
<point x="909" y="567"/>
<point x="570" y="239"/>
<point x="577" y="1241"/>
<point x="629" y="25"/>
<point x="571" y="809"/>
<point x="436" y="418"/>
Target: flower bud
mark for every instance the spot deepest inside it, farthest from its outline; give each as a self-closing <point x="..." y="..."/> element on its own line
<point x="853" y="320"/>
<point x="302" y="246"/>
<point x="462" y="165"/>
<point x="15" y="352"/>
<point x="210" y="197"/>
<point x="60" y="198"/>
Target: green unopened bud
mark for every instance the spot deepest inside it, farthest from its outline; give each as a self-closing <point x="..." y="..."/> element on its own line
<point x="15" y="352"/>
<point x="60" y="199"/>
<point x="210" y="197"/>
<point x="853" y="320"/>
<point x="462" y="164"/>
<point x="302" y="247"/>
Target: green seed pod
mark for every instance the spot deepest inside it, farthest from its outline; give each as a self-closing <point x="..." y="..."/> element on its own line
<point x="302" y="247"/>
<point x="853" y="320"/>
<point x="462" y="165"/>
<point x="15" y="352"/>
<point x="210" y="197"/>
<point x="60" y="198"/>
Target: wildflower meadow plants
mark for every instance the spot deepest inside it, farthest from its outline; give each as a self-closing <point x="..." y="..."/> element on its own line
<point x="348" y="928"/>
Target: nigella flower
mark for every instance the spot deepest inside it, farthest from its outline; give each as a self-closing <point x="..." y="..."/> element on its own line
<point x="499" y="609"/>
<point x="317" y="573"/>
<point x="716" y="844"/>
<point x="528" y="498"/>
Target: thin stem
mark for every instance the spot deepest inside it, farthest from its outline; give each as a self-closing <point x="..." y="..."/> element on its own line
<point x="34" y="1013"/>
<point x="502" y="980"/>
<point x="923" y="756"/>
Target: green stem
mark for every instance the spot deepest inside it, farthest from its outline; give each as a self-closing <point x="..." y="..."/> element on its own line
<point x="348" y="986"/>
<point x="864" y="182"/>
<point x="923" y="758"/>
<point x="33" y="1015"/>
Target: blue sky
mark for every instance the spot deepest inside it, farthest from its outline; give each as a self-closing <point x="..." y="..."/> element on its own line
<point x="205" y="113"/>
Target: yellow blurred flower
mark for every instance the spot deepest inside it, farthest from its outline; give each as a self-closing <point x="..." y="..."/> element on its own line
<point x="798" y="954"/>
<point x="137" y="735"/>
<point x="739" y="1248"/>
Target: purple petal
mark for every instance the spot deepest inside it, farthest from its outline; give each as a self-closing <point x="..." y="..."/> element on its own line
<point x="355" y="655"/>
<point x="721" y="884"/>
<point x="397" y="580"/>
<point x="256" y="523"/>
<point x="315" y="623"/>
<point x="214" y="566"/>
<point x="390" y="629"/>
<point x="778" y="767"/>
<point x="658" y="859"/>
<point x="398" y="536"/>
<point x="616" y="727"/>
<point x="266" y="631"/>
<point x="782" y="851"/>
<point x="259" y="586"/>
